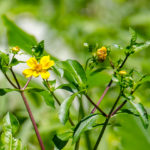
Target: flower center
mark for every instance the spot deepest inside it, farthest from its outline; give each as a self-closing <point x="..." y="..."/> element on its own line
<point x="38" y="67"/>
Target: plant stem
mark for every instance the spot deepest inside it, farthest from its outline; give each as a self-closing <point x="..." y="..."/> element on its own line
<point x="109" y="85"/>
<point x="77" y="145"/>
<point x="106" y="122"/>
<point x="101" y="98"/>
<point x="10" y="81"/>
<point x="90" y="100"/>
<point x="27" y="83"/>
<point x="33" y="121"/>
<point x="15" y="78"/>
<point x="28" y="109"/>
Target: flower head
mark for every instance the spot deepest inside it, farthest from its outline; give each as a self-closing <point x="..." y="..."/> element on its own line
<point x="102" y="53"/>
<point x="122" y="72"/>
<point x="40" y="68"/>
<point x="15" y="49"/>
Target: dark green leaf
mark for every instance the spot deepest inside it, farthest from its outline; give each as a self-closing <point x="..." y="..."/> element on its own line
<point x="4" y="61"/>
<point x="48" y="98"/>
<point x="142" y="112"/>
<point x="15" y="62"/>
<point x="85" y="124"/>
<point x="17" y="37"/>
<point x="67" y="87"/>
<point x="6" y="90"/>
<point x="74" y="72"/>
<point x="59" y="143"/>
<point x="38" y="49"/>
<point x="64" y="108"/>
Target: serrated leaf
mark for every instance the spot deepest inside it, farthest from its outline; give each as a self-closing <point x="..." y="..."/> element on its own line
<point x="133" y="36"/>
<point x="74" y="72"/>
<point x="142" y="113"/>
<point x="64" y="108"/>
<point x="16" y="36"/>
<point x="84" y="125"/>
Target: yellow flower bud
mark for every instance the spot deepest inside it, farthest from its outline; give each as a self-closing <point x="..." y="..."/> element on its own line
<point x="102" y="53"/>
<point x="122" y="72"/>
<point x="15" y="49"/>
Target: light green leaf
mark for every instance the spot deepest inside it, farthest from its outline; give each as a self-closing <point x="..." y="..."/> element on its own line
<point x="142" y="113"/>
<point x="64" y="108"/>
<point x="10" y="143"/>
<point x="17" y="37"/>
<point x="84" y="125"/>
<point x="133" y="36"/>
<point x="10" y="123"/>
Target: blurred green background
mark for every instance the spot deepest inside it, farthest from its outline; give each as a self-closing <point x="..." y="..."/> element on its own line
<point x="65" y="25"/>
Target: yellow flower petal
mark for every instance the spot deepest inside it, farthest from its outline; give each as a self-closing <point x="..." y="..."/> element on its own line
<point x="45" y="74"/>
<point x="36" y="73"/>
<point x="32" y="63"/>
<point x="46" y="62"/>
<point x="27" y="73"/>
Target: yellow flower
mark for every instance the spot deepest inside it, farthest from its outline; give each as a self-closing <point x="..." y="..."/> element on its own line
<point x="122" y="72"/>
<point x="102" y="53"/>
<point x="15" y="49"/>
<point x="37" y="69"/>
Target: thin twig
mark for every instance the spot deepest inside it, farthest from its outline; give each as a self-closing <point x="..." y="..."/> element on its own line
<point x="90" y="100"/>
<point x="106" y="122"/>
<point x="10" y="81"/>
<point x="27" y="83"/>
<point x="110" y="83"/>
<point x="15" y="78"/>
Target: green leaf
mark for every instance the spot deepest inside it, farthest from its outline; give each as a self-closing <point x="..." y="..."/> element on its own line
<point x="15" y="62"/>
<point x="10" y="143"/>
<point x="97" y="71"/>
<point x="38" y="49"/>
<point x="64" y="108"/>
<point x="74" y="72"/>
<point x="59" y="143"/>
<point x="140" y="46"/>
<point x="133" y="36"/>
<point x="142" y="113"/>
<point x="4" y="62"/>
<point x="48" y="98"/>
<point x="84" y="125"/>
<point x="17" y="37"/>
<point x="67" y="87"/>
<point x="6" y="90"/>
<point x="10" y="123"/>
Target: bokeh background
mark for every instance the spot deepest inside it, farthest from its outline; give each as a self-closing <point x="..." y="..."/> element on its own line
<point x="65" y="25"/>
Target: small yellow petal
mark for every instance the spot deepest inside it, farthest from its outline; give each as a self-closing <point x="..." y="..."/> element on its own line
<point x="32" y="63"/>
<point x="46" y="62"/>
<point x="36" y="73"/>
<point x="45" y="74"/>
<point x="27" y="73"/>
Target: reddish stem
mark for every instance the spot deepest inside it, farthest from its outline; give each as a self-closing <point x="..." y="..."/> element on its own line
<point x="33" y="121"/>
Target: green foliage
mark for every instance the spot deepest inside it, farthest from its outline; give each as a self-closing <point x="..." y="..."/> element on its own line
<point x="74" y="73"/>
<point x="16" y="36"/>
<point x="64" y="108"/>
<point x="6" y="90"/>
<point x="142" y="113"/>
<point x="4" y="62"/>
<point x="85" y="124"/>
<point x="10" y="127"/>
